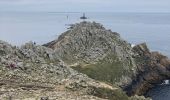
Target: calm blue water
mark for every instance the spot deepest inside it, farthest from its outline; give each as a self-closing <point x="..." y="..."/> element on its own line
<point x="160" y="92"/>
<point x="42" y="27"/>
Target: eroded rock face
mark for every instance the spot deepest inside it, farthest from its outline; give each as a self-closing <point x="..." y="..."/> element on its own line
<point x="153" y="67"/>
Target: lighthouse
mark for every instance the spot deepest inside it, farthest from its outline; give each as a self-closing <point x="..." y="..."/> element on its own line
<point x="83" y="17"/>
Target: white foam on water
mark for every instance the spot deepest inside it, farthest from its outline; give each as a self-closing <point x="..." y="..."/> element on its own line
<point x="165" y="82"/>
<point x="132" y="45"/>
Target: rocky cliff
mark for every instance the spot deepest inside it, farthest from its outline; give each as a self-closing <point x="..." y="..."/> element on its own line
<point x="153" y="68"/>
<point x="103" y="55"/>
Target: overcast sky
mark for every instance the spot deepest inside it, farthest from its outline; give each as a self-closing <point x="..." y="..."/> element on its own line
<point x="86" y="5"/>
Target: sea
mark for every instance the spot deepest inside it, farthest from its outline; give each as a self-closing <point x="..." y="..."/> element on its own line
<point x="18" y="28"/>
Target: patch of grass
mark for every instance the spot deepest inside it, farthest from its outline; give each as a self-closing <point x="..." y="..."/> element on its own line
<point x="105" y="70"/>
<point x="106" y="93"/>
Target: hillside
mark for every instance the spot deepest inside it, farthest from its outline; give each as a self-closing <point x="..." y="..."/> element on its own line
<point x="33" y="72"/>
<point x="103" y="55"/>
<point x="93" y="50"/>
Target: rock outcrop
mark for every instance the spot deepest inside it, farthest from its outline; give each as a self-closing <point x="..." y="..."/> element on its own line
<point x="33" y="72"/>
<point x="78" y="65"/>
<point x="103" y="55"/>
<point x="99" y="53"/>
<point x="153" y="68"/>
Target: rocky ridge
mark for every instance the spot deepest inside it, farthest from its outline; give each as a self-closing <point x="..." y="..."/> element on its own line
<point x="33" y="72"/>
<point x="90" y="48"/>
<point x="54" y="71"/>
<point x="103" y="55"/>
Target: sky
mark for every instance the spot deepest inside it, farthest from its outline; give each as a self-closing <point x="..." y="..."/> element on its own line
<point x="86" y="5"/>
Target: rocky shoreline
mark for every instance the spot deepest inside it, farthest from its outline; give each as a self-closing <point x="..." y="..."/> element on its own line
<point x="87" y="62"/>
<point x="153" y="68"/>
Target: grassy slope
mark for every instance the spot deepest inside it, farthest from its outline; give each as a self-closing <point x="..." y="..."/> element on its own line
<point x="109" y="72"/>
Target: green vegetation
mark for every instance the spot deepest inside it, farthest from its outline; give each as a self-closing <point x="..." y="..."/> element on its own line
<point x="106" y="93"/>
<point x="109" y="70"/>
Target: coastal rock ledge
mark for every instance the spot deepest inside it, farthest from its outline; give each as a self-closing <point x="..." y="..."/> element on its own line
<point x="152" y="69"/>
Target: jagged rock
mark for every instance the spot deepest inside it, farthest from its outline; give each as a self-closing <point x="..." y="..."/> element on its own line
<point x="153" y="68"/>
<point x="34" y="72"/>
<point x="89" y="45"/>
<point x="37" y="53"/>
<point x="22" y="78"/>
<point x="103" y="55"/>
<point x="89" y="42"/>
<point x="5" y="48"/>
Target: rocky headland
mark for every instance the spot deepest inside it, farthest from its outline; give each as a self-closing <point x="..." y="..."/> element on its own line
<point x="103" y="55"/>
<point x="87" y="62"/>
<point x="152" y="69"/>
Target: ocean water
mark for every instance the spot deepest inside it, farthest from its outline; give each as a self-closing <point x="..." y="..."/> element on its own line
<point x="160" y="92"/>
<point x="18" y="28"/>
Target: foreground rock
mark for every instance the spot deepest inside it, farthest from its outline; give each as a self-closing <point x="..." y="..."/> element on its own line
<point x="34" y="72"/>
